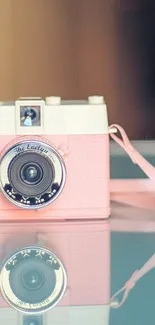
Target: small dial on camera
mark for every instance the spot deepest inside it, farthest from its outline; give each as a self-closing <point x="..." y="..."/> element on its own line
<point x="32" y="174"/>
<point x="33" y="280"/>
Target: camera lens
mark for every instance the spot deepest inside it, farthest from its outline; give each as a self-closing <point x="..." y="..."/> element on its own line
<point x="32" y="178"/>
<point x="33" y="280"/>
<point x="32" y="174"/>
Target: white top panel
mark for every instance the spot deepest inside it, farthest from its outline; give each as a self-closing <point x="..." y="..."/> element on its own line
<point x="75" y="117"/>
<point x="82" y="315"/>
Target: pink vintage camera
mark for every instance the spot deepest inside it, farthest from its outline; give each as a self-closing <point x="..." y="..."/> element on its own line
<point x="54" y="209"/>
<point x="61" y="264"/>
<point x="54" y="159"/>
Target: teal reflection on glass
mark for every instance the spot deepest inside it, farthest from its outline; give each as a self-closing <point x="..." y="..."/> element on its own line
<point x="129" y="252"/>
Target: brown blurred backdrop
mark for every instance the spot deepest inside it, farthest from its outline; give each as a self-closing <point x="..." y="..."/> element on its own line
<point x="77" y="48"/>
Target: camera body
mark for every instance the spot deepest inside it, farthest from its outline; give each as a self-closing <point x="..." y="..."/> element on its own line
<point x="70" y="140"/>
<point x="54" y="209"/>
<point x="83" y="248"/>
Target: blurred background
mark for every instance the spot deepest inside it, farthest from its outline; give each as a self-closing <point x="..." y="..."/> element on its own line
<point x="77" y="48"/>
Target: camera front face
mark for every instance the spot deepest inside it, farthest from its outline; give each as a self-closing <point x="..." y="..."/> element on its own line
<point x="71" y="137"/>
<point x="32" y="174"/>
<point x="33" y="280"/>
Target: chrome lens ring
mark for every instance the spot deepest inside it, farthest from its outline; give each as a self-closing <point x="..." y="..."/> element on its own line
<point x="33" y="280"/>
<point x="33" y="157"/>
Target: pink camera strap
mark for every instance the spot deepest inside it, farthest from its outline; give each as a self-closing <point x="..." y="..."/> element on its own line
<point x="125" y="143"/>
<point x="149" y="170"/>
<point x="131" y="282"/>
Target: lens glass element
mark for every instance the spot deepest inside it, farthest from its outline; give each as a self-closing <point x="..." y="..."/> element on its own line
<point x="33" y="279"/>
<point x="31" y="173"/>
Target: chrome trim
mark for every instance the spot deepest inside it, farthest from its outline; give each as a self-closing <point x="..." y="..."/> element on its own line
<point x="49" y="302"/>
<point x="30" y="146"/>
